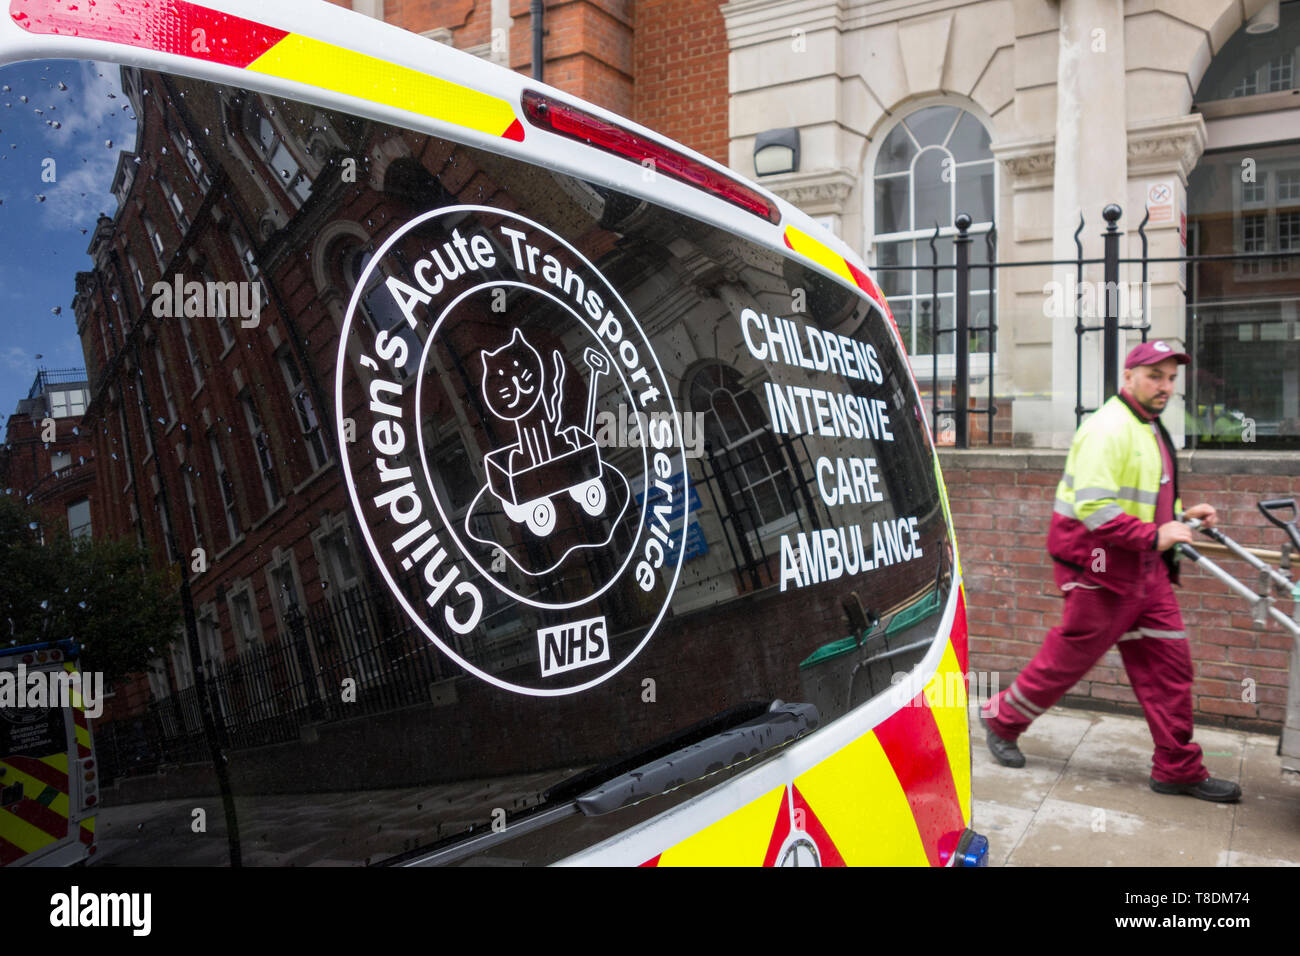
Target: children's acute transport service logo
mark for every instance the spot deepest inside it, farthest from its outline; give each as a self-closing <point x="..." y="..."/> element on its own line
<point x="474" y="354"/>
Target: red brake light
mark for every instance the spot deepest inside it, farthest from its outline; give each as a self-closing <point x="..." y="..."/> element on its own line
<point x="578" y="124"/>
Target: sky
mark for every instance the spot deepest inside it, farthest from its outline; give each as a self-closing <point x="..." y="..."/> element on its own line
<point x="45" y="227"/>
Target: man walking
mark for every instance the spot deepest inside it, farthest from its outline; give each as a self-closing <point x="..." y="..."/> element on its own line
<point x="1112" y="542"/>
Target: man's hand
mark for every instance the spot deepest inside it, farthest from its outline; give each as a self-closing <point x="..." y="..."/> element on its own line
<point x="1172" y="533"/>
<point x="1206" y="513"/>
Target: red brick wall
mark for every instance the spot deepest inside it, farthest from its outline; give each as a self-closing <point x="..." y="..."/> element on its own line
<point x="1002" y="502"/>
<point x="588" y="49"/>
<point x="681" y="73"/>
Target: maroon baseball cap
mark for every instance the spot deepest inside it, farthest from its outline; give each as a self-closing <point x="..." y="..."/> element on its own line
<point x="1154" y="352"/>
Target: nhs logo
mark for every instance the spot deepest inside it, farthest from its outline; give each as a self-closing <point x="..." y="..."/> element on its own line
<point x="566" y="647"/>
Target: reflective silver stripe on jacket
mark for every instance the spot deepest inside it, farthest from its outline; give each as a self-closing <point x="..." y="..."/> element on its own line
<point x="1126" y="493"/>
<point x="1101" y="516"/>
<point x="1142" y="632"/>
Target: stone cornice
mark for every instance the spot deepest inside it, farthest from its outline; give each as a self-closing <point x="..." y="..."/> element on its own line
<point x="816" y="192"/>
<point x="750" y="22"/>
<point x="1030" y="162"/>
<point x="1166" y="145"/>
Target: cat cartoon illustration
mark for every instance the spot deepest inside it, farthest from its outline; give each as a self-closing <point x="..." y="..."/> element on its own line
<point x="514" y="387"/>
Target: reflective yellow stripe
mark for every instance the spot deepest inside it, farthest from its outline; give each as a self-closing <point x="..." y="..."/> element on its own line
<point x="947" y="515"/>
<point x="819" y="253"/>
<point x="859" y="801"/>
<point x="89" y="824"/>
<point x="25" y="836"/>
<point x="946" y="693"/>
<point x="738" y="839"/>
<point x="345" y="71"/>
<point x="32" y="788"/>
<point x="58" y="761"/>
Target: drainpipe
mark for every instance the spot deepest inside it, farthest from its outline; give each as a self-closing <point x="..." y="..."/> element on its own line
<point x="538" y="26"/>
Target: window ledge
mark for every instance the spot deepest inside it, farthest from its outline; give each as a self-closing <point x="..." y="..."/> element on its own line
<point x="306" y="482"/>
<point x="1246" y="105"/>
<point x="229" y="548"/>
<point x="278" y="507"/>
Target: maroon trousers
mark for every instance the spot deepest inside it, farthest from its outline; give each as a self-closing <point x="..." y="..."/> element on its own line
<point x="1153" y="645"/>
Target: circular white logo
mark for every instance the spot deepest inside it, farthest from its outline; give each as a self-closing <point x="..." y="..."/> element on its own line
<point x="1161" y="347"/>
<point x="512" y="450"/>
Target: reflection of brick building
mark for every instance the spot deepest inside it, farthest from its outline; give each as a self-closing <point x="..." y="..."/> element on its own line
<point x="214" y="449"/>
<point x="48" y="458"/>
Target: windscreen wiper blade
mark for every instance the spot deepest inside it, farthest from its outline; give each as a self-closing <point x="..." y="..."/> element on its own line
<point x="775" y="726"/>
<point x="781" y="724"/>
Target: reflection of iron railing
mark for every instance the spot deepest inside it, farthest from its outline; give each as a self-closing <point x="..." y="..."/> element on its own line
<point x="727" y="472"/>
<point x="56" y="376"/>
<point x="267" y="693"/>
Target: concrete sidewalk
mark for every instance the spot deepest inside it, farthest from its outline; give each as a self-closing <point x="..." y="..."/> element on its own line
<point x="1082" y="799"/>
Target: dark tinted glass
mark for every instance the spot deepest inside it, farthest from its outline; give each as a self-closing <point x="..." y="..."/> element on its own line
<point x="484" y="483"/>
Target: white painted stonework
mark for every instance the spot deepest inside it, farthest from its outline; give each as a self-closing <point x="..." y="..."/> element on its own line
<point x="1086" y="102"/>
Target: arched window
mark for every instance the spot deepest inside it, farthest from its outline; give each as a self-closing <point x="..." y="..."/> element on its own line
<point x="934" y="163"/>
<point x="743" y="452"/>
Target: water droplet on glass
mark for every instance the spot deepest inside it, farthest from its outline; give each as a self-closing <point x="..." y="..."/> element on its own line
<point x="62" y="85"/>
<point x="22" y="99"/>
<point x="108" y="143"/>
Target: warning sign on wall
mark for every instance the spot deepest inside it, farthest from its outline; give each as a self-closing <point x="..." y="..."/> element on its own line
<point x="1161" y="202"/>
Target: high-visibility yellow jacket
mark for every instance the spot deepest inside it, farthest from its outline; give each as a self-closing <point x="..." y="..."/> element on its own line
<point x="1103" y="527"/>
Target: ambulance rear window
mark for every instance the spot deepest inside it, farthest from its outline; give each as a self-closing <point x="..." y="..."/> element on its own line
<point x="485" y="478"/>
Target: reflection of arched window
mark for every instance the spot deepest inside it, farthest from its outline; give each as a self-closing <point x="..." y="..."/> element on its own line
<point x="1251" y="63"/>
<point x="379" y="307"/>
<point x="1243" y="197"/>
<point x="933" y="164"/>
<point x="743" y="453"/>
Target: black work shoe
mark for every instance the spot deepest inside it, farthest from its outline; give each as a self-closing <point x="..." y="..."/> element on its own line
<point x="1212" y="788"/>
<point x="1004" y="752"/>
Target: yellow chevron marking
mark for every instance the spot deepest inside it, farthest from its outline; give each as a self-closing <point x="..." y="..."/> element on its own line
<point x="738" y="839"/>
<point x="946" y="693"/>
<point x="32" y="788"/>
<point x="24" y="835"/>
<point x="58" y="761"/>
<point x="862" y="806"/>
<point x="819" y="253"/>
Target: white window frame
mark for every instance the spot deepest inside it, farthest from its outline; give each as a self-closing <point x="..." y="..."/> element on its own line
<point x="225" y="488"/>
<point x="922" y="362"/>
<point x="262" y="452"/>
<point x="309" y="424"/>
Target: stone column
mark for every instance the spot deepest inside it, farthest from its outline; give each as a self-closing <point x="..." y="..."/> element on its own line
<point x="1091" y="170"/>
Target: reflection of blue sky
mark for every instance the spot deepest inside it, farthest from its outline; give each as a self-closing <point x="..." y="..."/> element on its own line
<point x="43" y="242"/>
